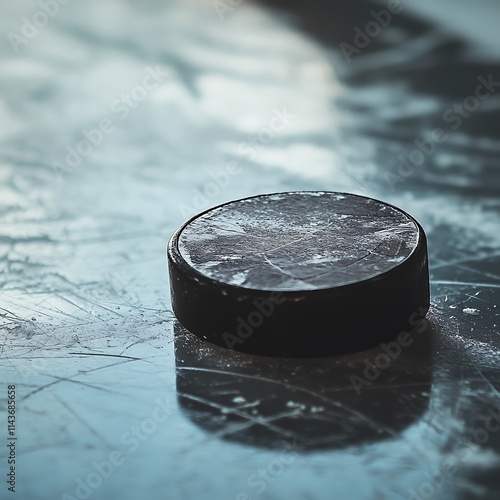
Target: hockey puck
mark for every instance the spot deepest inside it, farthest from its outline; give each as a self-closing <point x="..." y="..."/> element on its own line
<point x="300" y="274"/>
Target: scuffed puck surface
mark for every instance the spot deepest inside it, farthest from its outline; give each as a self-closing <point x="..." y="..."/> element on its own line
<point x="298" y="241"/>
<point x="252" y="275"/>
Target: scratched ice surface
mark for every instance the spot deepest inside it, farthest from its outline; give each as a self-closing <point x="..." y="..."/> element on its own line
<point x="87" y="334"/>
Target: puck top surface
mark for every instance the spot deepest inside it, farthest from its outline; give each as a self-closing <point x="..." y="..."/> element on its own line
<point x="298" y="241"/>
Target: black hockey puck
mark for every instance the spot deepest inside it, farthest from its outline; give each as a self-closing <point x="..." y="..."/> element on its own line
<point x="300" y="274"/>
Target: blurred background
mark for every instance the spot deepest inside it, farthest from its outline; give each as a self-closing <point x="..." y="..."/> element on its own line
<point x="121" y="119"/>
